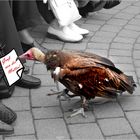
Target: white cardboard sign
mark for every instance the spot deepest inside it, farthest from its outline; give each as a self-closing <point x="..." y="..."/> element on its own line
<point x="12" y="67"/>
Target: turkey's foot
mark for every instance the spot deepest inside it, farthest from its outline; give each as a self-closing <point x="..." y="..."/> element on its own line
<point x="77" y="112"/>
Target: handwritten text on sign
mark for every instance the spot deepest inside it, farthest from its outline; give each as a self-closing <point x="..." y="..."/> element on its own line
<point x="12" y="67"/>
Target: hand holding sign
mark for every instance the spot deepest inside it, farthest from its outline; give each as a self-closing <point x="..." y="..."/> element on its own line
<point x="12" y="67"/>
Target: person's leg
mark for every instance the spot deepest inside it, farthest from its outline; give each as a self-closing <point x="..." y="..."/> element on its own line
<point x="11" y="40"/>
<point x="9" y="32"/>
<point x="70" y="33"/>
<point x="45" y="12"/>
<point x="26" y="15"/>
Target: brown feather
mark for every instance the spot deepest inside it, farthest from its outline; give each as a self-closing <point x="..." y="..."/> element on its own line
<point x="88" y="74"/>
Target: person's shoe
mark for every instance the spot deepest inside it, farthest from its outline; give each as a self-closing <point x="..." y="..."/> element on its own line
<point x="64" y="34"/>
<point x="7" y="115"/>
<point x="28" y="81"/>
<point x="78" y="30"/>
<point x="6" y="129"/>
<point x="5" y="90"/>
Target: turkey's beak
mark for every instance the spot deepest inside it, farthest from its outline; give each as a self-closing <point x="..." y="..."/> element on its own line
<point x="27" y="55"/>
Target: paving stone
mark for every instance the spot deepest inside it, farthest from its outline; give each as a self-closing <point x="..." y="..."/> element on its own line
<point x="91" y="27"/>
<point x="138" y="16"/>
<point x="133" y="117"/>
<point x="40" y="98"/>
<point x="88" y="37"/>
<point x="49" y="40"/>
<point x="129" y="33"/>
<point x="100" y="52"/>
<point x="137" y="47"/>
<point x="18" y="103"/>
<point x="124" y="40"/>
<point x="132" y="27"/>
<point x="47" y="112"/>
<point x="138" y="72"/>
<point x="105" y="34"/>
<point x="24" y="137"/>
<point x="106" y="110"/>
<point x="111" y="28"/>
<point x="124" y="16"/>
<point x="51" y="129"/>
<point x="118" y="52"/>
<point x="114" y="126"/>
<point x="77" y="46"/>
<point x="121" y="46"/>
<point x="71" y="104"/>
<point x="110" y="11"/>
<point x="53" y="46"/>
<point x="99" y="16"/>
<point x="40" y="69"/>
<point x="46" y="80"/>
<point x="138" y="40"/>
<point x="24" y="124"/>
<point x="122" y="5"/>
<point x="85" y="131"/>
<point x="29" y="63"/>
<point x="129" y="103"/>
<point x="19" y="92"/>
<point x="135" y="22"/>
<point x="132" y="10"/>
<point x="117" y="22"/>
<point x="121" y="59"/>
<point x="79" y="119"/>
<point x="39" y="40"/>
<point x="101" y="39"/>
<point x="123" y="137"/>
<point x="136" y="54"/>
<point x="137" y="63"/>
<point x="95" y="22"/>
<point x="100" y="46"/>
<point x="137" y="4"/>
<point x="125" y="67"/>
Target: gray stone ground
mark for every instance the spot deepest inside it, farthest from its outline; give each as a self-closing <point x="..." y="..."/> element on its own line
<point x="115" y="34"/>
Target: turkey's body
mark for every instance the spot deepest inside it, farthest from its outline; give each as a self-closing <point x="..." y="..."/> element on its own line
<point x="84" y="74"/>
<point x="88" y="75"/>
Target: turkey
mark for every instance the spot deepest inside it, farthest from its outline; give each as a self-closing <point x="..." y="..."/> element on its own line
<point x="84" y="74"/>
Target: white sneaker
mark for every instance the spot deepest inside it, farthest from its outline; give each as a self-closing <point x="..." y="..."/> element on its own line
<point x="65" y="34"/>
<point x="78" y="30"/>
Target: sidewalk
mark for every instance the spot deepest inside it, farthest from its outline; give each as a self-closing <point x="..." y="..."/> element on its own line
<point x="115" y="34"/>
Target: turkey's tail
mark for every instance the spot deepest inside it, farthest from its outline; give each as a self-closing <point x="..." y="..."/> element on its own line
<point x="127" y="83"/>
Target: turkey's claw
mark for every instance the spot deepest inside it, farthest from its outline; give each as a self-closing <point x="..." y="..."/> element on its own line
<point x="78" y="111"/>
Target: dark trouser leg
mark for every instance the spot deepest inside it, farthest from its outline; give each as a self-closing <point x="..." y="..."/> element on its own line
<point x="9" y="32"/>
<point x="25" y="14"/>
<point x="45" y="13"/>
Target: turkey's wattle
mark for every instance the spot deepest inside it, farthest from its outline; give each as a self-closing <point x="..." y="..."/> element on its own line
<point x="84" y="74"/>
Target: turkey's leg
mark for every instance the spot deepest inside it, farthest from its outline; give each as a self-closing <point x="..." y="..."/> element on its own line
<point x="80" y="110"/>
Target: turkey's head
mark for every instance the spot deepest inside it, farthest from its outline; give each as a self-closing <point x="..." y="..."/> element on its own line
<point x="33" y="54"/>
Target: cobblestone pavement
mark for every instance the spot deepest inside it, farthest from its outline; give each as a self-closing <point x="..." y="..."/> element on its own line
<point x="115" y="34"/>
